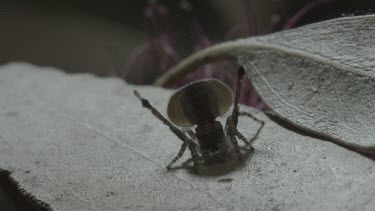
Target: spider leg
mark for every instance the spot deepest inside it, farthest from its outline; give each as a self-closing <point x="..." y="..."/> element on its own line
<point x="244" y="113"/>
<point x="240" y="136"/>
<point x="183" y="148"/>
<point x="186" y="140"/>
<point x="232" y="120"/>
<point x="234" y="116"/>
<point x="178" y="156"/>
<point x="193" y="137"/>
<point x="232" y="136"/>
<point x="194" y="155"/>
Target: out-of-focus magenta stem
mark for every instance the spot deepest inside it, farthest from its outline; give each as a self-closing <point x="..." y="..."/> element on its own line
<point x="251" y="18"/>
<point x="291" y="22"/>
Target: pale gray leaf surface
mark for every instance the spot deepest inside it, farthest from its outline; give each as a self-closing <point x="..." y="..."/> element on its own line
<point x="319" y="77"/>
<point x="322" y="77"/>
<point x="78" y="142"/>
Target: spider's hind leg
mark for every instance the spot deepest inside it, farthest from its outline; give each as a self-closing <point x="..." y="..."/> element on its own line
<point x="233" y="139"/>
<point x="240" y="136"/>
<point x="262" y="123"/>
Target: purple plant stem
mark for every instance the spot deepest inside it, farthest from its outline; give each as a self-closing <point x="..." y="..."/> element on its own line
<point x="151" y="24"/>
<point x="203" y="42"/>
<point x="250" y="17"/>
<point x="169" y="52"/>
<point x="133" y="57"/>
<point x="262" y="106"/>
<point x="253" y="96"/>
<point x="234" y="30"/>
<point x="228" y="72"/>
<point x="291" y="22"/>
<point x="162" y="11"/>
<point x="141" y="78"/>
<point x="156" y="16"/>
<point x="170" y="56"/>
<point x="245" y="92"/>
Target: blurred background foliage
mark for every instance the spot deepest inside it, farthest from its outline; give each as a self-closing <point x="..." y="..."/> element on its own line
<point x="139" y="40"/>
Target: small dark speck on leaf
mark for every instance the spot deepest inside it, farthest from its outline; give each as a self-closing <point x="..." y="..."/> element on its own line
<point x="324" y="157"/>
<point x="26" y="172"/>
<point x="132" y="208"/>
<point x="225" y="180"/>
<point x="294" y="170"/>
<point x="109" y="193"/>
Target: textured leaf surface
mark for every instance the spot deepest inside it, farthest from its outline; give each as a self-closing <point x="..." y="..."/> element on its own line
<point x="80" y="142"/>
<point x="320" y="77"/>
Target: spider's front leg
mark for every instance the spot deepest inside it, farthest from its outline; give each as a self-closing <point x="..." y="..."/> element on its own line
<point x="187" y="142"/>
<point x="232" y="120"/>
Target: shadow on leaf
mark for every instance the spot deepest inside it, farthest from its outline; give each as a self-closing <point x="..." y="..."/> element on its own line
<point x="219" y="168"/>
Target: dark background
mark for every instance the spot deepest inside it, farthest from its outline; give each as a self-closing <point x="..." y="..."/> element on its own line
<point x="99" y="36"/>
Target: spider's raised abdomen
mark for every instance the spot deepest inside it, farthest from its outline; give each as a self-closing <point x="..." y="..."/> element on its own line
<point x="211" y="139"/>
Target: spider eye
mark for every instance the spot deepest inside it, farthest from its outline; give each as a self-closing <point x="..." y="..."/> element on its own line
<point x="199" y="102"/>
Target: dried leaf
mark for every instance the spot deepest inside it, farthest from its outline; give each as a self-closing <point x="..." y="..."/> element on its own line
<point x="320" y="77"/>
<point x="77" y="142"/>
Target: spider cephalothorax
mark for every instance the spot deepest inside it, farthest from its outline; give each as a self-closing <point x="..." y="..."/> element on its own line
<point x="200" y="103"/>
